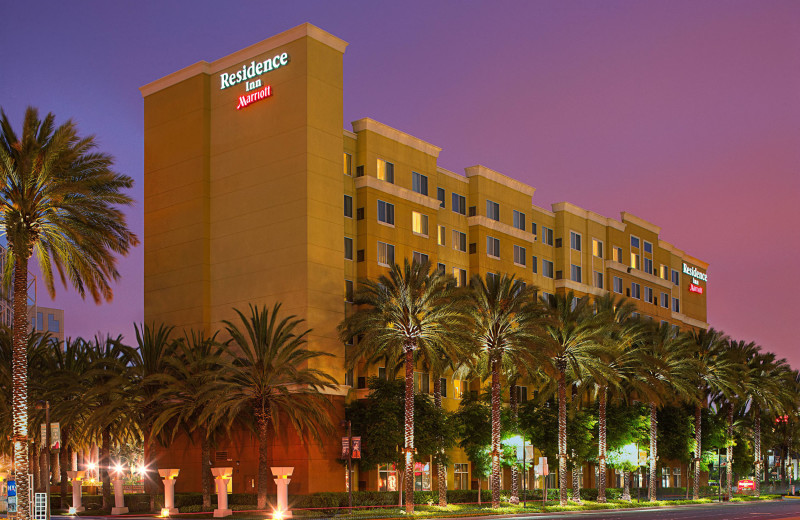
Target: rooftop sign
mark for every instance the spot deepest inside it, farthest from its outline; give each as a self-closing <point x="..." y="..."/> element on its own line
<point x="694" y="273"/>
<point x="248" y="72"/>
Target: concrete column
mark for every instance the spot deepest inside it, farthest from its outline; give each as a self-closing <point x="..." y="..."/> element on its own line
<point x="221" y="478"/>
<point x="119" y="498"/>
<point x="76" y="477"/>
<point x="169" y="476"/>
<point x="282" y="478"/>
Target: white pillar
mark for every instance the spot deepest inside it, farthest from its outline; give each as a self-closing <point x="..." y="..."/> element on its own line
<point x="282" y="478"/>
<point x="76" y="477"/>
<point x="169" y="476"/>
<point x="221" y="478"/>
<point x="119" y="498"/>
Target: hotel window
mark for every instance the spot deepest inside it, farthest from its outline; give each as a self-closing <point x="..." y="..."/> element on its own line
<point x="348" y="206"/>
<point x="522" y="394"/>
<point x="598" y="279"/>
<point x="547" y="268"/>
<point x="548" y="298"/>
<point x="422" y="476"/>
<point x="348" y="248"/>
<point x="348" y="378"/>
<point x="676" y="277"/>
<point x="634" y="242"/>
<point x="461" y="277"/>
<point x="419" y="223"/>
<point x="420" y="258"/>
<point x="460" y="241"/>
<point x="493" y="247"/>
<point x="636" y="261"/>
<point x="443" y="386"/>
<point x="676" y="305"/>
<point x="575" y="273"/>
<point x="648" y="265"/>
<point x="385" y="171"/>
<point x="648" y="247"/>
<point x="492" y="277"/>
<point x="665" y="477"/>
<point x="547" y="236"/>
<point x="348" y="290"/>
<point x="665" y="300"/>
<point x="39" y="321"/>
<point x="648" y="294"/>
<point x="519" y="255"/>
<point x="387" y="477"/>
<point x="460" y="388"/>
<point x="382" y="373"/>
<point x="386" y="212"/>
<point x="664" y="272"/>
<point x="597" y="248"/>
<point x="348" y="164"/>
<point x="575" y="241"/>
<point x="461" y="476"/>
<point x="52" y="323"/>
<point x="492" y="210"/>
<point x="618" y="285"/>
<point x="533" y="230"/>
<point x="419" y="183"/>
<point x="634" y="315"/>
<point x="519" y="220"/>
<point x="442" y="237"/>
<point x="636" y="291"/>
<point x="440" y="196"/>
<point x="441" y="268"/>
<point x="616" y="254"/>
<point x="385" y="254"/>
<point x="422" y="383"/>
<point x="534" y="262"/>
<point x="459" y="204"/>
<point x="677" y="473"/>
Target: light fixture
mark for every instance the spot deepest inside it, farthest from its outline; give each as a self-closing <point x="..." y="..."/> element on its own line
<point x="164" y="512"/>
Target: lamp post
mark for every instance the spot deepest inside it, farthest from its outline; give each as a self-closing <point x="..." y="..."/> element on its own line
<point x="46" y="406"/>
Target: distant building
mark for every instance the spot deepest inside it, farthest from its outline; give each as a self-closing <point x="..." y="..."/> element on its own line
<point x="47" y="319"/>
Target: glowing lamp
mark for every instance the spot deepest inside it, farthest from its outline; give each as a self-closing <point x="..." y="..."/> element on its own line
<point x="72" y="511"/>
<point x="277" y="515"/>
<point x="164" y="512"/>
<point x="92" y="466"/>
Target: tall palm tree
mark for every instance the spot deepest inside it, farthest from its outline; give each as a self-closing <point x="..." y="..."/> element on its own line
<point x="574" y="338"/>
<point x="268" y="379"/>
<point x="721" y="375"/>
<point x="505" y="318"/>
<point x="59" y="201"/>
<point x="181" y="398"/>
<point x="408" y="312"/>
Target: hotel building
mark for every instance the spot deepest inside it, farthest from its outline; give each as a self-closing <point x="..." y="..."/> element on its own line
<point x="254" y="194"/>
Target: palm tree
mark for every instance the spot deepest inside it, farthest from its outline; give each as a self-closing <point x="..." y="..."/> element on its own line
<point x="410" y="311"/>
<point x="182" y="397"/>
<point x="721" y="375"/>
<point x="268" y="378"/>
<point x="505" y="317"/>
<point x="59" y="200"/>
<point x="574" y="339"/>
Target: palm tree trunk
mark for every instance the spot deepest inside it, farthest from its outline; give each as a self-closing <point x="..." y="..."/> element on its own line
<point x="626" y="490"/>
<point x="19" y="406"/>
<point x="205" y="467"/>
<point x="698" y="450"/>
<point x="495" y="431"/>
<point x="514" y="405"/>
<point x="653" y="451"/>
<point x="264" y="474"/>
<point x="441" y="469"/>
<point x="757" y="450"/>
<point x="562" y="433"/>
<point x="576" y="489"/>
<point x="729" y="452"/>
<point x="34" y="457"/>
<point x="601" y="445"/>
<point x="105" y="463"/>
<point x="409" y="429"/>
<point x="64" y="465"/>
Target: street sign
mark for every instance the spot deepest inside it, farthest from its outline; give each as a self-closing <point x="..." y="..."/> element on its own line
<point x="356" y="447"/>
<point x="55" y="435"/>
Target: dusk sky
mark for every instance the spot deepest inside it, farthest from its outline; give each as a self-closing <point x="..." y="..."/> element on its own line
<point x="686" y="114"/>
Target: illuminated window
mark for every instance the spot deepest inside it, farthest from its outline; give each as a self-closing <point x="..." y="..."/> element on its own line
<point x="385" y="171"/>
<point x="617" y="285"/>
<point x="385" y="254"/>
<point x="534" y="264"/>
<point x="676" y="305"/>
<point x="575" y="241"/>
<point x="664" y="272"/>
<point x="597" y="279"/>
<point x="665" y="300"/>
<point x="459" y="241"/>
<point x="547" y="268"/>
<point x="547" y="236"/>
<point x="635" y="261"/>
<point x="461" y="476"/>
<point x="519" y="220"/>
<point x="386" y="212"/>
<point x="442" y="236"/>
<point x="634" y="242"/>
<point x="676" y="277"/>
<point x="419" y="223"/>
<point x="665" y="477"/>
<point x="493" y="247"/>
<point x="460" y="388"/>
<point x="348" y="206"/>
<point x="387" y="477"/>
<point x="648" y="247"/>
<point x="492" y="210"/>
<point x="422" y="476"/>
<point x="440" y="196"/>
<point x="575" y="273"/>
<point x="616" y="254"/>
<point x="419" y="183"/>
<point x="459" y="204"/>
<point x="348" y="248"/>
<point x="519" y="255"/>
<point x="648" y="294"/>
<point x="636" y="291"/>
<point x="420" y="258"/>
<point x="461" y="276"/>
<point x="348" y="164"/>
<point x="597" y="248"/>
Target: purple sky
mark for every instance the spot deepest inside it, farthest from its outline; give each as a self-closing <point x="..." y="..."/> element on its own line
<point x="686" y="114"/>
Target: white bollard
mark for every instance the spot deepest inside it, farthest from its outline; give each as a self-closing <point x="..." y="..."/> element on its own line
<point x="283" y="476"/>
<point x="119" y="498"/>
<point x="221" y="478"/>
<point x="76" y="477"/>
<point x="169" y="476"/>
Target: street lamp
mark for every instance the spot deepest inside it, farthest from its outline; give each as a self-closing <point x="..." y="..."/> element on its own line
<point x="46" y="406"/>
